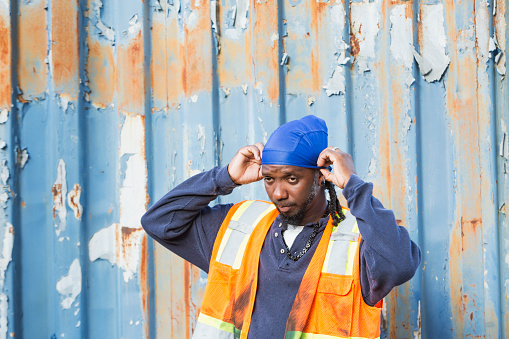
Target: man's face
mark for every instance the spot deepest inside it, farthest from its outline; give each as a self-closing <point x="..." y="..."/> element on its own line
<point x="292" y="189"/>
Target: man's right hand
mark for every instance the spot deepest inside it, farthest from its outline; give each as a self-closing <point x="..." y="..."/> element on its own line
<point x="246" y="165"/>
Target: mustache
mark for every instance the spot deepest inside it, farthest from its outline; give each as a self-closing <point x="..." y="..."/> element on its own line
<point x="285" y="205"/>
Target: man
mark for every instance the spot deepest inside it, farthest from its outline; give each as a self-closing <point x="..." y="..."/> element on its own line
<point x="296" y="267"/>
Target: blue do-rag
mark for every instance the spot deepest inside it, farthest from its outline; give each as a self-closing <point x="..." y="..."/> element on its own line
<point x="296" y="143"/>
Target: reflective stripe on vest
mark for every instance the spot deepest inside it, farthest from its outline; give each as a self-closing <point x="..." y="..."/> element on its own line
<point x="234" y="241"/>
<point x="342" y="247"/>
<point x="300" y="335"/>
<point x="208" y="327"/>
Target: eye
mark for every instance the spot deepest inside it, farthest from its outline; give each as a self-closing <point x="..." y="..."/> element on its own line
<point x="292" y="180"/>
<point x="268" y="180"/>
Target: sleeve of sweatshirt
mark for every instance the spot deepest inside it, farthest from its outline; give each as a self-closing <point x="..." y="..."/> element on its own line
<point x="388" y="257"/>
<point x="183" y="222"/>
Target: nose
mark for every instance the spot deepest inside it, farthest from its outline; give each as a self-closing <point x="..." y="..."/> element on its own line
<point x="279" y="192"/>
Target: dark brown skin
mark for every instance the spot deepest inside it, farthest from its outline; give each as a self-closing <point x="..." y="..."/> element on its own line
<point x="288" y="187"/>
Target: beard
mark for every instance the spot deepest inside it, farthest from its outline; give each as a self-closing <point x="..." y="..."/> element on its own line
<point x="296" y="218"/>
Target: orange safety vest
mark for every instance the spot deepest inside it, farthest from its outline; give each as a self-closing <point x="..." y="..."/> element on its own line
<point x="329" y="301"/>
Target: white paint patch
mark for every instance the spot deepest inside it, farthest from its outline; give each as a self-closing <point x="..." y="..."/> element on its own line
<point x="4" y="172"/>
<point x="482" y="32"/>
<point x="102" y="245"/>
<point x="3" y="144"/>
<point x="4" y="116"/>
<point x="59" y="192"/>
<point x="213" y="14"/>
<point x="64" y="100"/>
<point x="311" y="100"/>
<point x="337" y="15"/>
<point x="133" y="192"/>
<point x="70" y="285"/>
<point x="7" y="245"/>
<point x="194" y="98"/>
<point x="73" y="200"/>
<point x="434" y="41"/>
<point x="120" y="246"/>
<point x="336" y="83"/>
<point x="365" y="19"/>
<point x="21" y="157"/>
<point x="242" y="11"/>
<point x="244" y="88"/>
<point x="284" y="59"/>
<point x="401" y="36"/>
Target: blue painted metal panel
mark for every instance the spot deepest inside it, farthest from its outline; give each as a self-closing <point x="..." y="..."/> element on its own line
<point x="116" y="103"/>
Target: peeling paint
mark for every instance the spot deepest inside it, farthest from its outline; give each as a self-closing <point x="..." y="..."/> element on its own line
<point x="133" y="192"/>
<point x="4" y="116"/>
<point x="365" y="24"/>
<point x="4" y="172"/>
<point x="433" y="42"/>
<point x="119" y="245"/>
<point x="244" y="88"/>
<point x="7" y="246"/>
<point x="73" y="200"/>
<point x="21" y="157"/>
<point x="70" y="285"/>
<point x="500" y="34"/>
<point x="284" y="59"/>
<point x="59" y="191"/>
<point x="95" y="12"/>
<point x="336" y="83"/>
<point x="3" y="144"/>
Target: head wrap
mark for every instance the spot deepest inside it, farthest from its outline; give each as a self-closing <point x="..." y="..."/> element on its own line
<point x="296" y="143"/>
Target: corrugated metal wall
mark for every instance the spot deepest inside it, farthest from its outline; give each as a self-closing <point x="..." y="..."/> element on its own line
<point x="105" y="105"/>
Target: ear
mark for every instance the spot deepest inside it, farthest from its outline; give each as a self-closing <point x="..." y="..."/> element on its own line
<point x="321" y="179"/>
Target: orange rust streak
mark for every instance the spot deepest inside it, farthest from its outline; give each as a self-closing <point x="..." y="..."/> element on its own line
<point x="5" y="62"/>
<point x="187" y="297"/>
<point x="144" y="284"/>
<point x="197" y="74"/>
<point x="318" y="26"/>
<point x="32" y="69"/>
<point x="131" y="84"/>
<point x="65" y="46"/>
<point x="101" y="71"/>
<point x="265" y="50"/>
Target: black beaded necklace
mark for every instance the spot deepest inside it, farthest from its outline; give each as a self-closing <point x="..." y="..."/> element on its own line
<point x="312" y="237"/>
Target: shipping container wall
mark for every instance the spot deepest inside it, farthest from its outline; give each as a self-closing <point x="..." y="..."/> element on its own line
<point x="106" y="105"/>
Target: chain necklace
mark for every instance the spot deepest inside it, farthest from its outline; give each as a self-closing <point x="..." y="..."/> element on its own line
<point x="312" y="237"/>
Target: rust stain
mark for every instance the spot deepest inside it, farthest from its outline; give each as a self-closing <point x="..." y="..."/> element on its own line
<point x="318" y="26"/>
<point x="33" y="41"/>
<point x="167" y="61"/>
<point x="64" y="46"/>
<point x="23" y="204"/>
<point x="131" y="84"/>
<point x="144" y="284"/>
<point x="187" y="297"/>
<point x="197" y="72"/>
<point x="266" y="61"/>
<point x="101" y="71"/>
<point x="5" y="62"/>
<point x="74" y="203"/>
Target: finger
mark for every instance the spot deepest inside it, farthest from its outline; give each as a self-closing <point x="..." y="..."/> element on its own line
<point x="255" y="152"/>
<point x="324" y="159"/>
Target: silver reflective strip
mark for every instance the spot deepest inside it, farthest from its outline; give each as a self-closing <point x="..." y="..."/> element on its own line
<point x="339" y="235"/>
<point x="252" y="212"/>
<point x="240" y="230"/>
<point x="232" y="247"/>
<point x="338" y="257"/>
<point x="204" y="331"/>
<point x="347" y="224"/>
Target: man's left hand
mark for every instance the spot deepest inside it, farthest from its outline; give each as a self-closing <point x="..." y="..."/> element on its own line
<point x="342" y="165"/>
